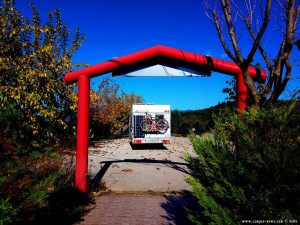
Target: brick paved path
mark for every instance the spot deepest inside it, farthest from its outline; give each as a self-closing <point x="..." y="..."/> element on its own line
<point x="137" y="210"/>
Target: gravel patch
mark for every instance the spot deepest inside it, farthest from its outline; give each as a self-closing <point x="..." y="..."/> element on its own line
<point x="141" y="168"/>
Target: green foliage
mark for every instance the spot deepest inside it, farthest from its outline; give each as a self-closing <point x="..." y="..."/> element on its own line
<point x="23" y="141"/>
<point x="109" y="108"/>
<point x="37" y="189"/>
<point x="36" y="107"/>
<point x="176" y="121"/>
<point x="201" y="120"/>
<point x="7" y="212"/>
<point x="249" y="169"/>
<point x="231" y="90"/>
<point x="33" y="61"/>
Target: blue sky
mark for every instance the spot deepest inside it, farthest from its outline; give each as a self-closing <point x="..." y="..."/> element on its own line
<point x="118" y="27"/>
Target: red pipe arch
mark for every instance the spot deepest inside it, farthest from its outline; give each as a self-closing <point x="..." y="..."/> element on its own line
<point x="159" y="54"/>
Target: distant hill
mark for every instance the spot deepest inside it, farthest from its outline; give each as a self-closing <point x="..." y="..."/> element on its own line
<point x="183" y="121"/>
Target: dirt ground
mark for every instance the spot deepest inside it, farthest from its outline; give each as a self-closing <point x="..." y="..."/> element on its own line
<point x="122" y="167"/>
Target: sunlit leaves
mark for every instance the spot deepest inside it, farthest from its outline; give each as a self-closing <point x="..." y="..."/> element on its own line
<point x="33" y="61"/>
<point x="110" y="106"/>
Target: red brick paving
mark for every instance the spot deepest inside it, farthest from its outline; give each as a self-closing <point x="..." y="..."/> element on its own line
<point x="128" y="209"/>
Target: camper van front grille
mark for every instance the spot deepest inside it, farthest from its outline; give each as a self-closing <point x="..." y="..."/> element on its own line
<point x="137" y="132"/>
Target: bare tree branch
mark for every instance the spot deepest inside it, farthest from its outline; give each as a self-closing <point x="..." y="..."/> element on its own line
<point x="261" y="32"/>
<point x="226" y="7"/>
<point x="256" y="15"/>
<point x="260" y="48"/>
<point x="213" y="15"/>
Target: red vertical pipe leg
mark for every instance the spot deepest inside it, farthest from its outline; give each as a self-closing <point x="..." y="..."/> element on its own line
<point x="82" y="133"/>
<point x="241" y="93"/>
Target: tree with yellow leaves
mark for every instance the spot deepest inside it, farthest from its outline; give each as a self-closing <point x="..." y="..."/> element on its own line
<point x="109" y="108"/>
<point x="33" y="60"/>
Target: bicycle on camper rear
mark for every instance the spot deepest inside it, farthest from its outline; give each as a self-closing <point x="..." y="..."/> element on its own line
<point x="154" y="124"/>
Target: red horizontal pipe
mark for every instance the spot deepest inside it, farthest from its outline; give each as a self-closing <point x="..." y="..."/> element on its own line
<point x="112" y="64"/>
<point x="159" y="55"/>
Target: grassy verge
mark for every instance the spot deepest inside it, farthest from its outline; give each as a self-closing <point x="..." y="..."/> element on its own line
<point x="38" y="189"/>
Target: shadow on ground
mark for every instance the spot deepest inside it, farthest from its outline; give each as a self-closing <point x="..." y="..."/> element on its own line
<point x="64" y="207"/>
<point x="171" y="164"/>
<point x="157" y="146"/>
<point x="176" y="208"/>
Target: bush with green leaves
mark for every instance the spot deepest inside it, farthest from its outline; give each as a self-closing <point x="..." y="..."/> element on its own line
<point x="18" y="135"/>
<point x="7" y="212"/>
<point x="250" y="169"/>
<point x="37" y="112"/>
<point x="38" y="189"/>
<point x="34" y="58"/>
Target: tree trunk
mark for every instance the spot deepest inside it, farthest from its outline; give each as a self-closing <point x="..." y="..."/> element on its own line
<point x="251" y="88"/>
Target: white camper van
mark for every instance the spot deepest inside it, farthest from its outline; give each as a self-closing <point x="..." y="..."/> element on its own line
<point x="149" y="123"/>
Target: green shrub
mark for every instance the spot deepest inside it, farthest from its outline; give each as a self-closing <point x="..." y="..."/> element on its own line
<point x="18" y="131"/>
<point x="28" y="182"/>
<point x="250" y="168"/>
<point x="7" y="212"/>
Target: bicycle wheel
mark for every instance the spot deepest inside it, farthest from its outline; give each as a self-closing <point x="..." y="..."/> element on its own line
<point x="145" y="126"/>
<point x="162" y="126"/>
